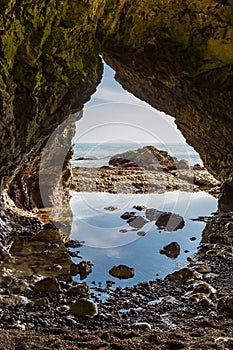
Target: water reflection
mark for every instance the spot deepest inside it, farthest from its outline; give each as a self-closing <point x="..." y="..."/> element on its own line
<point x="111" y="240"/>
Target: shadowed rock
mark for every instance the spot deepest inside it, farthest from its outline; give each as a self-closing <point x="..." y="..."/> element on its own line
<point x="172" y="250"/>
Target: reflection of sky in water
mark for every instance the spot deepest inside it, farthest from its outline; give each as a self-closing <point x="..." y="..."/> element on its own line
<point x="105" y="246"/>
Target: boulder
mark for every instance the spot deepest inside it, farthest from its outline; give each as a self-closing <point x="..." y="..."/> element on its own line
<point x="84" y="307"/>
<point x="172" y="250"/>
<point x="122" y="272"/>
<point x="148" y="157"/>
<point x="49" y="284"/>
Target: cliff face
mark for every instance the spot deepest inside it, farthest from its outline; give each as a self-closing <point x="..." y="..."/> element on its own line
<point x="176" y="55"/>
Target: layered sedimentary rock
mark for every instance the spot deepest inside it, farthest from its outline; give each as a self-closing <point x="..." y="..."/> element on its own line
<point x="177" y="56"/>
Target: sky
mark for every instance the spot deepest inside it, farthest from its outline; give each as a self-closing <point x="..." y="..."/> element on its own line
<point x="115" y="115"/>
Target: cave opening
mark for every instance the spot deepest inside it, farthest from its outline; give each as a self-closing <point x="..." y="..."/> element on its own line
<point x="140" y="211"/>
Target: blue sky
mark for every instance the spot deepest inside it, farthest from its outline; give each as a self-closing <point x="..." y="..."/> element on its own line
<point x="114" y="115"/>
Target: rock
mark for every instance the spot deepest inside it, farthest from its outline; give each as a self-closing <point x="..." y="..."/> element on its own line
<point x="198" y="167"/>
<point x="51" y="236"/>
<point x="141" y="233"/>
<point x="182" y="164"/>
<point x="140" y="207"/>
<point x="141" y="326"/>
<point x="122" y="272"/>
<point x="199" y="298"/>
<point x="128" y="215"/>
<point x="111" y="208"/>
<point x="84" y="307"/>
<point x="181" y="275"/>
<point x="170" y="222"/>
<point x="122" y="163"/>
<point x="202" y="268"/>
<point x="12" y="300"/>
<point x="137" y="222"/>
<point x="148" y="157"/>
<point x="49" y="284"/>
<point x="79" y="289"/>
<point x="225" y="202"/>
<point x="41" y="301"/>
<point x="226" y="304"/>
<point x="172" y="250"/>
<point x="84" y="268"/>
<point x="200" y="287"/>
<point x="73" y="244"/>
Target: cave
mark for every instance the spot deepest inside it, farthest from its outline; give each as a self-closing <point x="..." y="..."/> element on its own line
<point x="175" y="56"/>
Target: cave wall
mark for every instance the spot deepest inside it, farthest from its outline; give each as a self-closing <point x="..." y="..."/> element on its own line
<point x="176" y="55"/>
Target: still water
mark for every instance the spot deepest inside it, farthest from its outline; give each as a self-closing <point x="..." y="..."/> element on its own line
<point x="109" y="240"/>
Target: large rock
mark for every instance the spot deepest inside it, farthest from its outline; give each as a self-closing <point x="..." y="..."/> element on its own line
<point x="122" y="272"/>
<point x="49" y="284"/>
<point x="148" y="157"/>
<point x="84" y="307"/>
<point x="172" y="250"/>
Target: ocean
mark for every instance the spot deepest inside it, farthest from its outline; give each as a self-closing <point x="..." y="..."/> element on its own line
<point x="98" y="154"/>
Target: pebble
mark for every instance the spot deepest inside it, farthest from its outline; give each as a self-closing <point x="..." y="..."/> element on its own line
<point x="141" y="325"/>
<point x="110" y="208"/>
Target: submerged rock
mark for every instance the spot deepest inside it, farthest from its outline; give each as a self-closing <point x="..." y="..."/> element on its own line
<point x="84" y="307"/>
<point x="122" y="272"/>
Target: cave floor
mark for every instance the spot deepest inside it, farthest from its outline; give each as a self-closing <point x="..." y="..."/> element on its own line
<point x="191" y="309"/>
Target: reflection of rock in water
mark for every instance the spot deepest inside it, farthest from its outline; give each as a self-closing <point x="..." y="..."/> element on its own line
<point x="170" y="222"/>
<point x="134" y="220"/>
<point x="40" y="254"/>
<point x="172" y="250"/>
<point x="137" y="222"/>
<point x="165" y="220"/>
